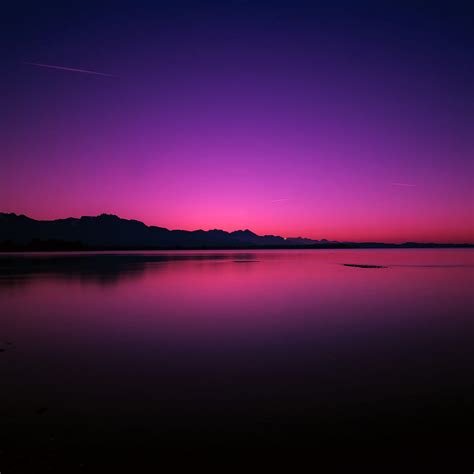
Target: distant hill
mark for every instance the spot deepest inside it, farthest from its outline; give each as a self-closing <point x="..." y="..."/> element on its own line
<point x="19" y="232"/>
<point x="110" y="231"/>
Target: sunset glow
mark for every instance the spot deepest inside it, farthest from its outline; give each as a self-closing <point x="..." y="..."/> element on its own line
<point x="312" y="121"/>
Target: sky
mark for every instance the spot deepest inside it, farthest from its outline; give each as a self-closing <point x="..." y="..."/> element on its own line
<point x="344" y="120"/>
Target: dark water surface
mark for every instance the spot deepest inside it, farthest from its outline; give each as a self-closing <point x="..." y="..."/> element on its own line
<point x="121" y="355"/>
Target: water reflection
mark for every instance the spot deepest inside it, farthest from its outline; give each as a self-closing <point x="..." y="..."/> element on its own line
<point x="98" y="268"/>
<point x="226" y="348"/>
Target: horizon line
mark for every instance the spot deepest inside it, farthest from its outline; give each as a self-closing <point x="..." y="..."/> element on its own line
<point x="405" y="241"/>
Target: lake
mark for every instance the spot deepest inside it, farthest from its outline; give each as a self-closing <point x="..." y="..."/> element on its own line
<point x="117" y="355"/>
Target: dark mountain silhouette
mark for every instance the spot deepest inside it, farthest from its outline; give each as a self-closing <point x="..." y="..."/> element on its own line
<point x="110" y="231"/>
<point x="248" y="237"/>
<point x="19" y="232"/>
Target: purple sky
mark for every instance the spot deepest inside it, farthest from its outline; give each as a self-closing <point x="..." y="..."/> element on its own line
<point x="318" y="119"/>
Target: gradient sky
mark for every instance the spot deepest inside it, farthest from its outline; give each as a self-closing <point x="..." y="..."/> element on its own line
<point x="346" y="120"/>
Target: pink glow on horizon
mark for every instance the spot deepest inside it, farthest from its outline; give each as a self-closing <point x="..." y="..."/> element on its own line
<point x="190" y="188"/>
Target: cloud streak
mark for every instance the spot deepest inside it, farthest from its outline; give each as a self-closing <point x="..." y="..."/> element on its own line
<point x="405" y="185"/>
<point x="280" y="200"/>
<point x="70" y="69"/>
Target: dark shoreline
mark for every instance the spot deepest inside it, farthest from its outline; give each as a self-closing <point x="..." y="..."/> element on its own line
<point x="48" y="246"/>
<point x="106" y="232"/>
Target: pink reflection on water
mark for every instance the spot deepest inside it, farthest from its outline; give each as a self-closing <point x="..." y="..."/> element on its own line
<point x="242" y="294"/>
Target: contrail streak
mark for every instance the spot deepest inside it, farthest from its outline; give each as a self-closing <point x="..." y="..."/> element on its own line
<point x="71" y="69"/>
<point x="279" y="200"/>
<point x="404" y="184"/>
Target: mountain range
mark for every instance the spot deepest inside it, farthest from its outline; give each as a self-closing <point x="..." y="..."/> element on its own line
<point x="107" y="231"/>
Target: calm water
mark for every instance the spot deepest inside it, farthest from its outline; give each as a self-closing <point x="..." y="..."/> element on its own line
<point x="127" y="352"/>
